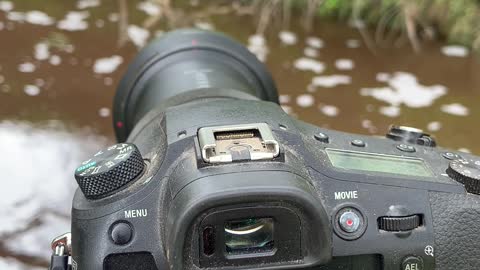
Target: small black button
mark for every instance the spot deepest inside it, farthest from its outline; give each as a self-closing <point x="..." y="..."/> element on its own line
<point x="406" y="148"/>
<point x="412" y="263"/>
<point x="451" y="156"/>
<point x="121" y="233"/>
<point x="322" y="137"/>
<point x="358" y="143"/>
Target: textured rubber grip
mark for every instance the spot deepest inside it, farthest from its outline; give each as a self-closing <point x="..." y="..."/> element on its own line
<point x="456" y="222"/>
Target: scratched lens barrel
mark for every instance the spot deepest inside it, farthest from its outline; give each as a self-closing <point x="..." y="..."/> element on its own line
<point x="188" y="66"/>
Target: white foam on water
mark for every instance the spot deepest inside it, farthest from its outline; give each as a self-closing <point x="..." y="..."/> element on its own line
<point x="308" y="64"/>
<point x="74" y="21"/>
<point x="104" y="112"/>
<point x="138" y="35"/>
<point x="33" y="17"/>
<point x="329" y="110"/>
<point x="113" y="17"/>
<point x="310" y="52"/>
<point x="353" y="43"/>
<point x="149" y="8"/>
<point x="367" y="124"/>
<point x="16" y="16"/>
<point x="383" y="77"/>
<point x="41" y="51"/>
<point x="287" y="37"/>
<point x="455" y="109"/>
<point x="284" y="99"/>
<point x="83" y="4"/>
<point x="107" y="65"/>
<point x="390" y="111"/>
<point x="31" y="90"/>
<point x="305" y="100"/>
<point x="6" y="6"/>
<point x="465" y="150"/>
<point x="12" y="264"/>
<point x="315" y="42"/>
<point x="34" y="241"/>
<point x="258" y="46"/>
<point x="404" y="89"/>
<point x="331" y="80"/>
<point x="26" y="67"/>
<point x="434" y="126"/>
<point x="344" y="64"/>
<point x="39" y="18"/>
<point x="55" y="60"/>
<point x="41" y="180"/>
<point x="455" y="51"/>
<point x="204" y="26"/>
<point x="287" y="109"/>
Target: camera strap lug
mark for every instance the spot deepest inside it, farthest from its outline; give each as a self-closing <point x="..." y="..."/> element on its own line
<point x="61" y="252"/>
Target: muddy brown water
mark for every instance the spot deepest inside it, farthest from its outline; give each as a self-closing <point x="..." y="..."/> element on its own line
<point x="58" y="75"/>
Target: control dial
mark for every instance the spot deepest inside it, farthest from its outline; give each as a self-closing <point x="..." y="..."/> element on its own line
<point x="410" y="135"/>
<point x="109" y="170"/>
<point x="399" y="224"/>
<point x="467" y="173"/>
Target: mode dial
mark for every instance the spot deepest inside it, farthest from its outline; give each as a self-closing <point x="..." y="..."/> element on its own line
<point x="399" y="224"/>
<point x="109" y="170"/>
<point x="466" y="172"/>
<point x="410" y="135"/>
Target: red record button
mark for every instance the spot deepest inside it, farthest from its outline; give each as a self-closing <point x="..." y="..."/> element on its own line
<point x="349" y="221"/>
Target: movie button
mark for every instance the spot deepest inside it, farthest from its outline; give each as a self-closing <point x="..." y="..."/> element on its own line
<point x="412" y="263"/>
<point x="451" y="156"/>
<point x="358" y="143"/>
<point x="121" y="233"/>
<point x="349" y="222"/>
<point x="322" y="137"/>
<point x="406" y="148"/>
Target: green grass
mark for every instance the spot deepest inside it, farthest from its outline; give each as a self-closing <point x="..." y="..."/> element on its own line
<point x="457" y="21"/>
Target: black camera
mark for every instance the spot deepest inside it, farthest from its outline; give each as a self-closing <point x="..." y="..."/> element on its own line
<point x="210" y="173"/>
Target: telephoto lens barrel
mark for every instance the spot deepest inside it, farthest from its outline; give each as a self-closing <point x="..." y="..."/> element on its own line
<point x="184" y="66"/>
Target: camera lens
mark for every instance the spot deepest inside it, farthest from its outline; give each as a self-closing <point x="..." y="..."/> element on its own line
<point x="252" y="235"/>
<point x="184" y="66"/>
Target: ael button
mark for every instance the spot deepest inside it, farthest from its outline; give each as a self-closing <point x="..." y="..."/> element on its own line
<point x="412" y="263"/>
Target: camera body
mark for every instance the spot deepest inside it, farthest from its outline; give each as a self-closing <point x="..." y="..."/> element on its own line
<point x="218" y="178"/>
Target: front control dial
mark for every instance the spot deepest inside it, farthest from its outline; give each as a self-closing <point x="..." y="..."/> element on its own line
<point x="109" y="170"/>
<point x="466" y="172"/>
